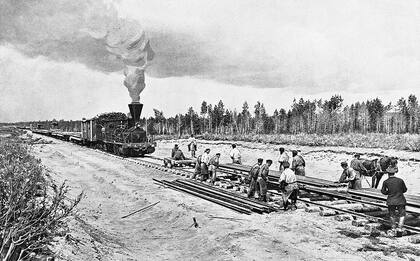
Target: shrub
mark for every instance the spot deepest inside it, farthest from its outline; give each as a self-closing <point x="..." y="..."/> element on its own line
<point x="32" y="209"/>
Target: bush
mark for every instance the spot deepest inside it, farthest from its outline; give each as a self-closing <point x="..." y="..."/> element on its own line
<point x="32" y="209"/>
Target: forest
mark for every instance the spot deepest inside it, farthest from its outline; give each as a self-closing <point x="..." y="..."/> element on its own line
<point x="305" y="116"/>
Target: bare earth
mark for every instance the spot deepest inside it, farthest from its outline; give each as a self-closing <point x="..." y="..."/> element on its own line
<point x="114" y="188"/>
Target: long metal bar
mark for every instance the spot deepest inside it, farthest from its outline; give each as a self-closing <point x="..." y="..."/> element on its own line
<point x="258" y="203"/>
<point x="377" y="219"/>
<point x="226" y="195"/>
<point x="361" y="193"/>
<point x="219" y="202"/>
<point x="222" y="197"/>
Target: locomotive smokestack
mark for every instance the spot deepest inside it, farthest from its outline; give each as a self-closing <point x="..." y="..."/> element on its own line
<point x="135" y="111"/>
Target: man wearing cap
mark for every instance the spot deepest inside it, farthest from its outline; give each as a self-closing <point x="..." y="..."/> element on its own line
<point x="350" y="176"/>
<point x="174" y="149"/>
<point x="357" y="165"/>
<point x="213" y="165"/>
<point x="298" y="164"/>
<point x="253" y="175"/>
<point x="282" y="159"/>
<point x="263" y="178"/>
<point x="395" y="188"/>
<point x="288" y="186"/>
<point x="205" y="160"/>
<point x="235" y="155"/>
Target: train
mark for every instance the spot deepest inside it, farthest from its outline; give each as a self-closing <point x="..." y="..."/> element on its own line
<point x="122" y="136"/>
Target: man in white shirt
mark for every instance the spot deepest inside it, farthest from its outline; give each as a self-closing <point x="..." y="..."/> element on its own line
<point x="288" y="186"/>
<point x="235" y="155"/>
<point x="205" y="160"/>
<point x="283" y="158"/>
<point x="192" y="145"/>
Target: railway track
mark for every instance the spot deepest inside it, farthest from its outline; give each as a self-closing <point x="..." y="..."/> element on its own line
<point x="318" y="199"/>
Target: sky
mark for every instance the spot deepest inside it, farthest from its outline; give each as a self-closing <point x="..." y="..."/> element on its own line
<point x="54" y="63"/>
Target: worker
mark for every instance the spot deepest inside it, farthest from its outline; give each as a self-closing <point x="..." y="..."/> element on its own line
<point x="298" y="164"/>
<point x="357" y="165"/>
<point x="178" y="155"/>
<point x="288" y="186"/>
<point x="192" y="145"/>
<point x="253" y="176"/>
<point x="395" y="188"/>
<point x="174" y="149"/>
<point x="263" y="179"/>
<point x="205" y="159"/>
<point x="282" y="159"/>
<point x="213" y="166"/>
<point x="197" y="169"/>
<point x="350" y="176"/>
<point x="235" y="155"/>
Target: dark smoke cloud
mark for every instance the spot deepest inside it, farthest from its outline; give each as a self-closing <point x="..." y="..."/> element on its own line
<point x="63" y="30"/>
<point x="74" y="30"/>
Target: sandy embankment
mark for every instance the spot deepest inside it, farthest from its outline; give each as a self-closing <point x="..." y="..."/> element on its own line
<point x="114" y="188"/>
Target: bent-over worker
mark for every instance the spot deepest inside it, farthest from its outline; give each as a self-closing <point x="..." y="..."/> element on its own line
<point x="253" y="176"/>
<point x="197" y="169"/>
<point x="350" y="176"/>
<point x="357" y="165"/>
<point x="178" y="155"/>
<point x="288" y="186"/>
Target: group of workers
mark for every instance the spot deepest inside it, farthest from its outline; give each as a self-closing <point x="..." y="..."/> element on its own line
<point x="207" y="166"/>
<point x="393" y="187"/>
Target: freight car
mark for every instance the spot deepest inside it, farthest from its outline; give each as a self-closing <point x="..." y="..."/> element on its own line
<point x="119" y="135"/>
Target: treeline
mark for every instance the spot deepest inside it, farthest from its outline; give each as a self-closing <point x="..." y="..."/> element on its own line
<point x="304" y="116"/>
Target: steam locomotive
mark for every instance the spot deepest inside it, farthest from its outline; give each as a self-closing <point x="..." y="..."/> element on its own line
<point x="122" y="136"/>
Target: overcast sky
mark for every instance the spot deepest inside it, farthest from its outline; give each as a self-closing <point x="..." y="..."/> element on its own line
<point x="53" y="63"/>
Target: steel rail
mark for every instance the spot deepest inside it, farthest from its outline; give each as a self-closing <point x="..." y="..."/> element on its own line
<point x="234" y="198"/>
<point x="219" y="202"/>
<point x="371" y="218"/>
<point x="221" y="197"/>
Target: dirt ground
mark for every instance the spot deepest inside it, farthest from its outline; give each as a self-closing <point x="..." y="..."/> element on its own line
<point x="322" y="162"/>
<point x="114" y="188"/>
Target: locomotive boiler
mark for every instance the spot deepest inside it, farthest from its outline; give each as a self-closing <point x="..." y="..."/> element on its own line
<point x="118" y="134"/>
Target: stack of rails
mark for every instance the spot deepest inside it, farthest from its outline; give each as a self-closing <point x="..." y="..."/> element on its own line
<point x="412" y="201"/>
<point x="273" y="177"/>
<point x="221" y="197"/>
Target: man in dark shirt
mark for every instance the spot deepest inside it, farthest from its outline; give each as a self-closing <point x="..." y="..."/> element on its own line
<point x="174" y="149"/>
<point x="263" y="179"/>
<point x="395" y="188"/>
<point x="357" y="165"/>
<point x="253" y="175"/>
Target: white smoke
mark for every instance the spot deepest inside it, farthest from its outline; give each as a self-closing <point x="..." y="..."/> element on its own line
<point x="128" y="41"/>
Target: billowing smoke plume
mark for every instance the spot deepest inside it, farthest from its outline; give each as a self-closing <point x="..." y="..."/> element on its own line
<point x="129" y="43"/>
<point x="84" y="31"/>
